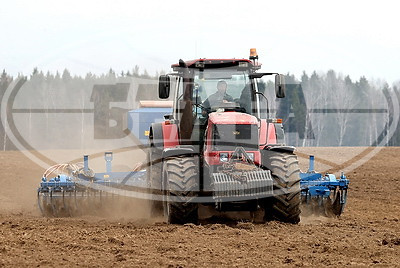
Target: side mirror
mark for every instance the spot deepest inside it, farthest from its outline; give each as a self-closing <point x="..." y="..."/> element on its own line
<point x="163" y="86"/>
<point x="280" y="87"/>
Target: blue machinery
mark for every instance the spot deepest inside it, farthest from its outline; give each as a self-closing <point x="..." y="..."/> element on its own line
<point x="76" y="189"/>
<point x="64" y="194"/>
<point x="324" y="191"/>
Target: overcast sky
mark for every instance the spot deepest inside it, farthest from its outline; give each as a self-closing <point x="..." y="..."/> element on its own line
<point x="351" y="37"/>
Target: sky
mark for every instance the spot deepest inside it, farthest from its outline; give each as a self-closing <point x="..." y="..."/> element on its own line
<point x="356" y="38"/>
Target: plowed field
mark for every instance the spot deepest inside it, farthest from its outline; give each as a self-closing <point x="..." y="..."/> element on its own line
<point x="368" y="233"/>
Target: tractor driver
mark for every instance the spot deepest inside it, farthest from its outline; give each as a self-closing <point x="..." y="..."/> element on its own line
<point x="215" y="100"/>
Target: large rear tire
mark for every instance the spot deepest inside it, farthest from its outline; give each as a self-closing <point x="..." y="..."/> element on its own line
<point x="181" y="182"/>
<point x="284" y="205"/>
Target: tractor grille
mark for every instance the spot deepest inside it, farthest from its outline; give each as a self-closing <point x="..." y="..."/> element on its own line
<point x="258" y="184"/>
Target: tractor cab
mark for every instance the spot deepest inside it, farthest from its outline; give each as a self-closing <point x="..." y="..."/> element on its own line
<point x="206" y="86"/>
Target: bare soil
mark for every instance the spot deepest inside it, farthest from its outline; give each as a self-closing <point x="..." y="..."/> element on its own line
<point x="368" y="233"/>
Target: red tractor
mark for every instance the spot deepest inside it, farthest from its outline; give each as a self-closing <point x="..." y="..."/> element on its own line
<point x="219" y="148"/>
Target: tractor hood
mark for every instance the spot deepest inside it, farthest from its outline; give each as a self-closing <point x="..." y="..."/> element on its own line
<point x="218" y="118"/>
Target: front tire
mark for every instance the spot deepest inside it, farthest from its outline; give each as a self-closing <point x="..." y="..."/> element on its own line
<point x="182" y="185"/>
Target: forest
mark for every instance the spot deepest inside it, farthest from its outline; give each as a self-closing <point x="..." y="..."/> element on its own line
<point x="320" y="109"/>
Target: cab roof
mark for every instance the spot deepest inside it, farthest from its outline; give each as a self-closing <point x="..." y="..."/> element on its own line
<point x="216" y="63"/>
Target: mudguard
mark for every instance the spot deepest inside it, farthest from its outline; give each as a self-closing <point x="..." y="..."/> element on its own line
<point x="178" y="151"/>
<point x="279" y="148"/>
<point x="280" y="135"/>
<point x="162" y="135"/>
<point x="156" y="136"/>
<point x="271" y="150"/>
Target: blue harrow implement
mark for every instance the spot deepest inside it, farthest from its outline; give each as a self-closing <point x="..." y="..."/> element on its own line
<point x="323" y="193"/>
<point x="77" y="190"/>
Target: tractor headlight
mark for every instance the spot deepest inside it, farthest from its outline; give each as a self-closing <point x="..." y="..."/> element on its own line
<point x="224" y="157"/>
<point x="251" y="156"/>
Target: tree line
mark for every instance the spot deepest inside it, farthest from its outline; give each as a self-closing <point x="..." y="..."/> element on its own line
<point x="329" y="109"/>
<point x="321" y="109"/>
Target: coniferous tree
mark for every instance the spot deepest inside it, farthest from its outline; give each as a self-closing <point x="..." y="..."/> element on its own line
<point x="322" y="92"/>
<point x="66" y="76"/>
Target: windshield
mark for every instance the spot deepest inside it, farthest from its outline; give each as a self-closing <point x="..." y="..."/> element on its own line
<point x="222" y="88"/>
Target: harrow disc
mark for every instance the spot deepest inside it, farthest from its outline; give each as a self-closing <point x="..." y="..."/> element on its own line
<point x="77" y="203"/>
<point x="44" y="204"/>
<point x="331" y="206"/>
<point x="55" y="204"/>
